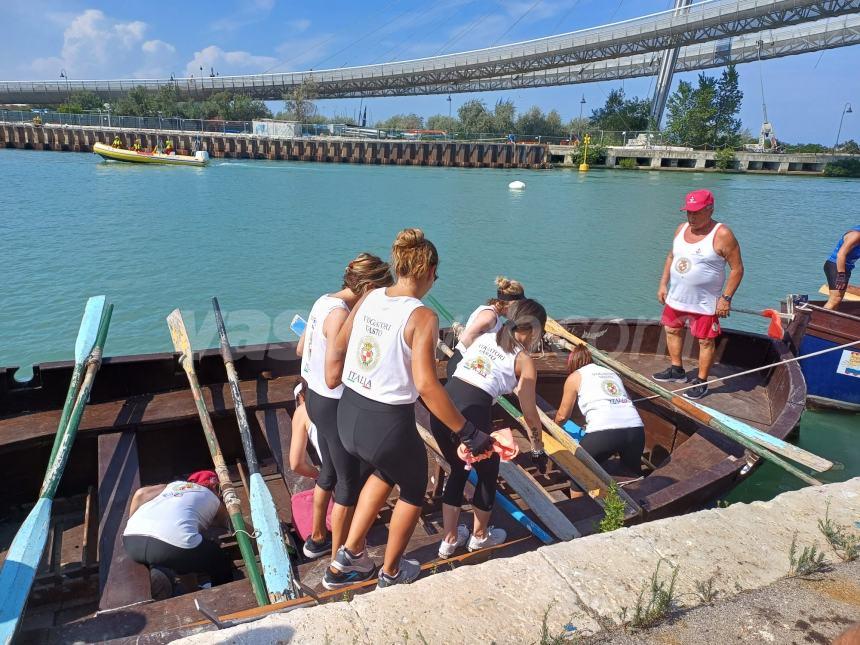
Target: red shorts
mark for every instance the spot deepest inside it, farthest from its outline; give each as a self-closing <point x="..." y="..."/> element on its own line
<point x="701" y="325"/>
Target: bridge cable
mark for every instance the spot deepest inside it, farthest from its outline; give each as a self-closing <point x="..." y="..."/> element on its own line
<point x="516" y="22"/>
<point x="465" y="30"/>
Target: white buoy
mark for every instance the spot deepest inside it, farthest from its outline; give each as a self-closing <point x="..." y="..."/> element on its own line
<point x="517" y="185"/>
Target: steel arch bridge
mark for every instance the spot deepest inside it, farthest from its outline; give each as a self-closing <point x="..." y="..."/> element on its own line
<point x="709" y="34"/>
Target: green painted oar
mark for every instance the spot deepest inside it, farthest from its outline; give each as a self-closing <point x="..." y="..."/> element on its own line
<point x="277" y="568"/>
<point x="25" y="552"/>
<point x="679" y="404"/>
<point x="83" y="346"/>
<point x="228" y="493"/>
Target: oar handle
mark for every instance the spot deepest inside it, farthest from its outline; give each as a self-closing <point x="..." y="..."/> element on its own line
<point x="226" y="352"/>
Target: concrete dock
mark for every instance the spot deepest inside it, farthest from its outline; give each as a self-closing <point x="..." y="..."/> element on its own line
<point x="587" y="586"/>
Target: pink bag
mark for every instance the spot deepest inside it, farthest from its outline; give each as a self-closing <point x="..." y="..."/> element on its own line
<point x="503" y="444"/>
<point x="302" y="505"/>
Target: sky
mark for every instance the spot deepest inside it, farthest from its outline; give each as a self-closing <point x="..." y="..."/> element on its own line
<point x="92" y="39"/>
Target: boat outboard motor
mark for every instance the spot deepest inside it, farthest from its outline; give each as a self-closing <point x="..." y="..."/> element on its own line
<point x="202" y="155"/>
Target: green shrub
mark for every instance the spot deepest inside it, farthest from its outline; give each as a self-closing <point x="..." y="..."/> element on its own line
<point x="843" y="168"/>
<point x="724" y="159"/>
<point x="613" y="510"/>
<point x="628" y="164"/>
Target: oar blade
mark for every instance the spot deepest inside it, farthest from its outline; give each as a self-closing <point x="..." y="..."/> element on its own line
<point x="774" y="329"/>
<point x="178" y="334"/>
<point x="89" y="328"/>
<point x="19" y="568"/>
<point x="277" y="568"/>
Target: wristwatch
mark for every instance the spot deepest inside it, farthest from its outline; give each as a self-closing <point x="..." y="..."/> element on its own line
<point x="726" y="298"/>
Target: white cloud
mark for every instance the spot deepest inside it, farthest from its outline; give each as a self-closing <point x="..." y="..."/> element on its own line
<point x="224" y="62"/>
<point x="302" y="24"/>
<point x="96" y="46"/>
<point x="157" y="47"/>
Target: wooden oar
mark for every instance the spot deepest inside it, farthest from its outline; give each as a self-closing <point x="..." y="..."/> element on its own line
<point x="87" y="334"/>
<point x="186" y="359"/>
<point x="277" y="568"/>
<point x="563" y="449"/>
<point x="683" y="405"/>
<point x="774" y="328"/>
<point x="25" y="552"/>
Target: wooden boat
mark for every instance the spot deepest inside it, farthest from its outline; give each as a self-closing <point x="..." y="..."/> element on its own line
<point x="141" y="428"/>
<point x="199" y="159"/>
<point x="832" y="379"/>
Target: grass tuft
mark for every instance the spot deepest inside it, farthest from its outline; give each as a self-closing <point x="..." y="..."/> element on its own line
<point x="845" y="544"/>
<point x="564" y="637"/>
<point x="660" y="600"/>
<point x="806" y="562"/>
<point x="613" y="510"/>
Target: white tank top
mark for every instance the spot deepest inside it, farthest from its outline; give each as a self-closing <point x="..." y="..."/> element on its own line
<point x="177" y="515"/>
<point x="697" y="275"/>
<point x="603" y="400"/>
<point x="496" y="327"/>
<point x="378" y="362"/>
<point x="486" y="366"/>
<point x="313" y="359"/>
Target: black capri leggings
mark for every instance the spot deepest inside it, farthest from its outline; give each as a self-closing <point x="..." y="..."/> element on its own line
<point x="830" y="271"/>
<point x="451" y="367"/>
<point x="385" y="436"/>
<point x="340" y="471"/>
<point x="207" y="557"/>
<point x="628" y="442"/>
<point x="476" y="405"/>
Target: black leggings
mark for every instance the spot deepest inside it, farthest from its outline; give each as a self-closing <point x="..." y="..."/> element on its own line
<point x="340" y="471"/>
<point x="207" y="557"/>
<point x="476" y="405"/>
<point x="452" y="364"/>
<point x="385" y="437"/>
<point x="628" y="442"/>
<point x="830" y="270"/>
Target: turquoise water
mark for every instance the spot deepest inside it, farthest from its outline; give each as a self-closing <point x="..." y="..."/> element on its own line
<point x="268" y="237"/>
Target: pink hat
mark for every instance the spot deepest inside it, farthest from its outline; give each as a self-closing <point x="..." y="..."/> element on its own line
<point x="697" y="200"/>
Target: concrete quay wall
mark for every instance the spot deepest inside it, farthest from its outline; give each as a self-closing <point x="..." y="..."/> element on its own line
<point x="669" y="158"/>
<point x="243" y="146"/>
<point x="585" y="583"/>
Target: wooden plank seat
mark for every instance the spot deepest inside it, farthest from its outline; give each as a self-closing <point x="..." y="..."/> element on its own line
<point x="122" y="581"/>
<point x="143" y="410"/>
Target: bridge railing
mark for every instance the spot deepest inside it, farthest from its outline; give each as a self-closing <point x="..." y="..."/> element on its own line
<point x="108" y="120"/>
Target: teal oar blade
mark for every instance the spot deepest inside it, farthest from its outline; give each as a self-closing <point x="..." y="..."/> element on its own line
<point x="83" y="346"/>
<point x="516" y="513"/>
<point x="277" y="568"/>
<point x="19" y="568"/>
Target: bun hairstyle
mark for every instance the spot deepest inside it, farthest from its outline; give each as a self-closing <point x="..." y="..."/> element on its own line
<point x="367" y="272"/>
<point x="506" y="291"/>
<point x="412" y="254"/>
<point x="580" y="356"/>
<point x="523" y="315"/>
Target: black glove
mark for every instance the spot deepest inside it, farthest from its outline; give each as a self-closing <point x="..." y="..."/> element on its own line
<point x="540" y="460"/>
<point x="841" y="281"/>
<point x="476" y="441"/>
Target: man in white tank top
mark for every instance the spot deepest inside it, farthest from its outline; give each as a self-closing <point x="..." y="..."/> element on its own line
<point x="694" y="290"/>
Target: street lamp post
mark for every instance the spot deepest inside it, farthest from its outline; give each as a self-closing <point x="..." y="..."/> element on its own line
<point x="581" y="105"/>
<point x="846" y="110"/>
<point x="451" y="135"/>
<point x="64" y="75"/>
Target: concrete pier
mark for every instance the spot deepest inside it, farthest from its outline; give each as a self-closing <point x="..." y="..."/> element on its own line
<point x="587" y="583"/>
<point x="459" y="154"/>
<point x="672" y="158"/>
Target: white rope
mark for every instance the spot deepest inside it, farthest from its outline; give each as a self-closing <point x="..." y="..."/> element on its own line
<point x="253" y="535"/>
<point x="757" y="369"/>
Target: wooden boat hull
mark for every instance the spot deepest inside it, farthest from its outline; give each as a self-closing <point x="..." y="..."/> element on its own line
<point x="141" y="428"/>
<point x="832" y="379"/>
<point x="120" y="154"/>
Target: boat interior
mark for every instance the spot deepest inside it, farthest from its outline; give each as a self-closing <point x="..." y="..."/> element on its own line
<point x="141" y="428"/>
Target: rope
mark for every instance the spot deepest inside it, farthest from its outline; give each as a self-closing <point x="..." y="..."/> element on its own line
<point x="253" y="535"/>
<point x="757" y="369"/>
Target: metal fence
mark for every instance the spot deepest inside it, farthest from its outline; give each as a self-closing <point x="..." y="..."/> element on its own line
<point x="105" y="119"/>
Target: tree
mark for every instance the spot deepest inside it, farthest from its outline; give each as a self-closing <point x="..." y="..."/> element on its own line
<point x="298" y="104"/>
<point x="81" y="101"/>
<point x="138" y="102"/>
<point x="475" y="118"/>
<point x="621" y="114"/>
<point x="402" y="122"/>
<point x="727" y="125"/>
<point x="850" y="147"/>
<point x="503" y="116"/>
<point x="535" y="123"/>
<point x="443" y="122"/>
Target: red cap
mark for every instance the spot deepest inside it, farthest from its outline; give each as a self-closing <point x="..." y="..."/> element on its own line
<point x="204" y="478"/>
<point x="697" y="200"/>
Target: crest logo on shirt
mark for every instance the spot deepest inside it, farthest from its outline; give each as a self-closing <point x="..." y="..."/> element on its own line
<point x="178" y="490"/>
<point x="309" y="345"/>
<point x="683" y="265"/>
<point x="481" y="365"/>
<point x="611" y="388"/>
<point x="368" y="353"/>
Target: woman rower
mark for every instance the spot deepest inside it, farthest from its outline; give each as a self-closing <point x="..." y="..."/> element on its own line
<point x="486" y="318"/>
<point x="495" y="364"/>
<point x="388" y="349"/>
<point x="340" y="474"/>
<point x="612" y="424"/>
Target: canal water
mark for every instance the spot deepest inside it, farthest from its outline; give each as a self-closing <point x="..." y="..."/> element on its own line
<point x="268" y="237"/>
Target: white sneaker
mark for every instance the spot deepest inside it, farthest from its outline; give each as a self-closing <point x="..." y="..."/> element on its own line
<point x="446" y="549"/>
<point x="493" y="537"/>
